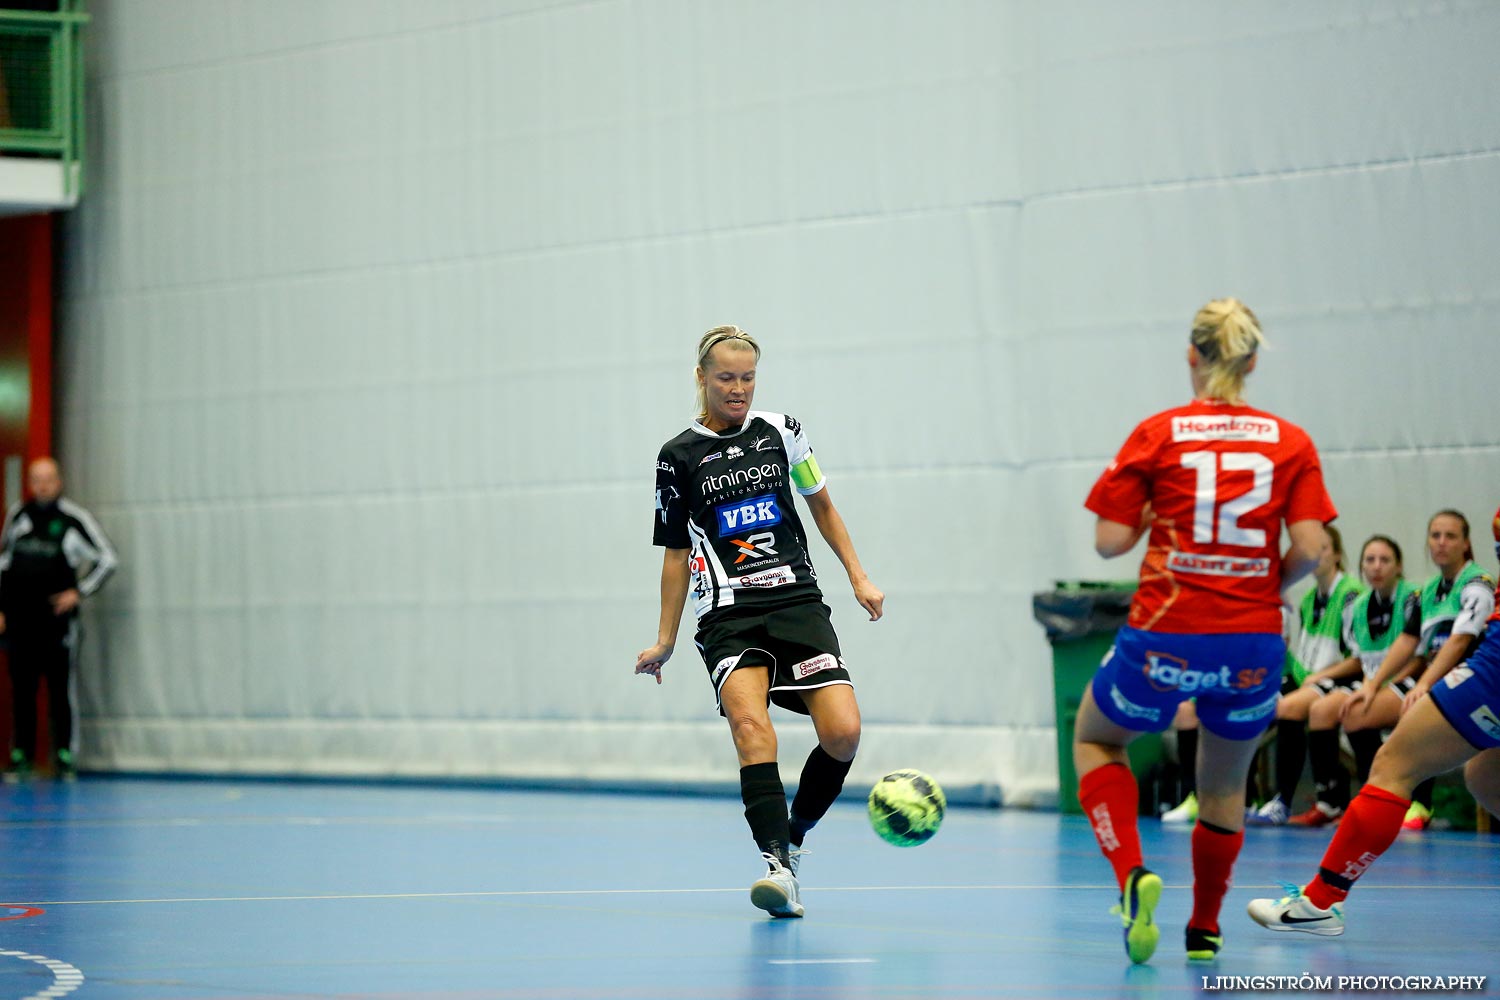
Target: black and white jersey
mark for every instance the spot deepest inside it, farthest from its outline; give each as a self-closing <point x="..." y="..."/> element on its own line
<point x="728" y="498"/>
<point x="42" y="548"/>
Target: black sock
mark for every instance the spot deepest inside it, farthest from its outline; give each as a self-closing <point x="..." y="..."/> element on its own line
<point x="1366" y="743"/>
<point x="1323" y="752"/>
<point x="822" y="780"/>
<point x="1187" y="760"/>
<point x="1291" y="753"/>
<point x="765" y="808"/>
<point x="1422" y="794"/>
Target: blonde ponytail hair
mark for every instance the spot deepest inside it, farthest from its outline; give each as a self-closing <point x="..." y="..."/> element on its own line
<point x="733" y="336"/>
<point x="1227" y="335"/>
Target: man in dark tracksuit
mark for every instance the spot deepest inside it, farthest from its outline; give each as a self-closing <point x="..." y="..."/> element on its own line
<point x="44" y="543"/>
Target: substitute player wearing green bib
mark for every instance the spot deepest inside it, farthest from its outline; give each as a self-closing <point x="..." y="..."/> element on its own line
<point x="1440" y="628"/>
<point x="1318" y="644"/>
<point x="1371" y="625"/>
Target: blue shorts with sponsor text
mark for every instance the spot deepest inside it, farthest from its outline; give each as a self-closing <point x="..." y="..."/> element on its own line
<point x="1236" y="679"/>
<point x="1469" y="694"/>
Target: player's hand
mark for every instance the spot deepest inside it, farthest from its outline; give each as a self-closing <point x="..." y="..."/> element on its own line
<point x="651" y="660"/>
<point x="1363" y="695"/>
<point x="870" y="598"/>
<point x="1413" y="696"/>
<point x="64" y="602"/>
<point x="2" y="623"/>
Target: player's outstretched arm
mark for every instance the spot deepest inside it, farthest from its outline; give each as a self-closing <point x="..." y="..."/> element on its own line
<point x="674" y="588"/>
<point x="832" y="528"/>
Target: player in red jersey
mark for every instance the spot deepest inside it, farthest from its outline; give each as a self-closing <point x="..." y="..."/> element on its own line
<point x="1453" y="717"/>
<point x="1212" y="482"/>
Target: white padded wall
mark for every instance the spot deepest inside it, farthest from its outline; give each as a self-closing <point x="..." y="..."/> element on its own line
<point x="376" y="313"/>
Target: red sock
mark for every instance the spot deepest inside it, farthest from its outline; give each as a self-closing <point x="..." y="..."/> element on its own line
<point x="1214" y="851"/>
<point x="1369" y="827"/>
<point x="1109" y="798"/>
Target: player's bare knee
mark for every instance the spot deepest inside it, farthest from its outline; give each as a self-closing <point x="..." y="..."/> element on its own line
<point x="842" y="743"/>
<point x="752" y="733"/>
<point x="1323" y="715"/>
<point x="1482" y="777"/>
<point x="1393" y="772"/>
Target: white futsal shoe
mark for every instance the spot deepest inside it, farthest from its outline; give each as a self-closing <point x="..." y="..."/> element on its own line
<point x="777" y="892"/>
<point x="1186" y="812"/>
<point x="1273" y="813"/>
<point x="1295" y="912"/>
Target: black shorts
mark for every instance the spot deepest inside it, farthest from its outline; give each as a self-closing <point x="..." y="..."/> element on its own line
<point x="1328" y="685"/>
<point x="795" y="643"/>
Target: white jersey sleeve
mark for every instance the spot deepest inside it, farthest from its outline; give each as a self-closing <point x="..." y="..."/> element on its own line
<point x="1478" y="603"/>
<point x="806" y="476"/>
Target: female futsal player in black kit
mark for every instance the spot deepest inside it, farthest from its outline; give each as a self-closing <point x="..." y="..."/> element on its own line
<point x="729" y="526"/>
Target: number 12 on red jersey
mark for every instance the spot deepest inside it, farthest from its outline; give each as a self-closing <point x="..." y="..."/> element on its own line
<point x="1209" y="514"/>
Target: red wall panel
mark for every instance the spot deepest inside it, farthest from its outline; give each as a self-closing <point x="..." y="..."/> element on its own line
<point x="25" y="368"/>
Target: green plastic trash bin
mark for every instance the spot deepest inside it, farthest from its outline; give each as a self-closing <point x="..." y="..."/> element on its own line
<point x="1081" y="618"/>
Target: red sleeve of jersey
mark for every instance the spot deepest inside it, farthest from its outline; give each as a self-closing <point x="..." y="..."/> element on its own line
<point x="1307" y="498"/>
<point x="1123" y="490"/>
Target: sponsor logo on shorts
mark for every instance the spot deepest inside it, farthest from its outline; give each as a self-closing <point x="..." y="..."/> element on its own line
<point x="1457" y="676"/>
<point x="1226" y="428"/>
<point x="819" y="663"/>
<point x="1171" y="673"/>
<point x="1130" y="709"/>
<point x="710" y="458"/>
<point x="1188" y="562"/>
<point x="1485" y="719"/>
<point x="724" y="666"/>
<point x="1254" y="713"/>
<point x="778" y="577"/>
<point x="752" y="512"/>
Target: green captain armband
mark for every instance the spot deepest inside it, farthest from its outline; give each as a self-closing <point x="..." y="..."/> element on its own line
<point x="806" y="473"/>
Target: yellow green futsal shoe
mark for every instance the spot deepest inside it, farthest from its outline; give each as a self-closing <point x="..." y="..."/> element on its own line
<point x="1203" y="946"/>
<point x="1137" y="902"/>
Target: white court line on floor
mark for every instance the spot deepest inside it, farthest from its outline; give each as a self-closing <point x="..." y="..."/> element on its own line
<point x="65" y="978"/>
<point x="820" y="961"/>
<point x="52" y="824"/>
<point x="505" y="893"/>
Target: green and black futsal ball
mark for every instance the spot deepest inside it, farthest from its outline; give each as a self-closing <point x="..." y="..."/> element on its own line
<point x="906" y="808"/>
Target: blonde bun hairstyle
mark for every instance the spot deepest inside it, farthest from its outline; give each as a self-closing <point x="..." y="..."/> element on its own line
<point x="1226" y="335"/>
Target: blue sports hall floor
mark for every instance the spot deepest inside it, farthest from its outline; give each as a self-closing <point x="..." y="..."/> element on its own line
<point x="175" y="889"/>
